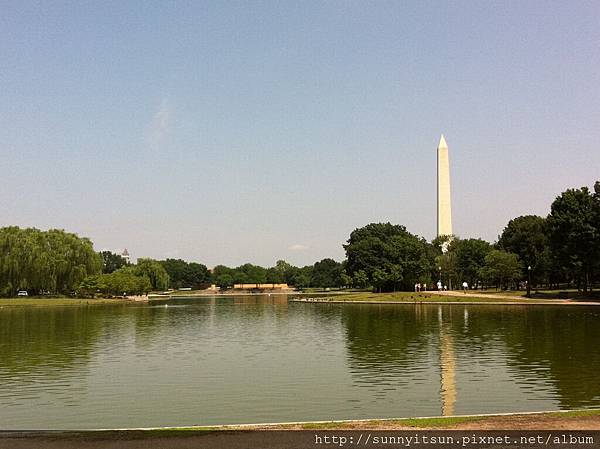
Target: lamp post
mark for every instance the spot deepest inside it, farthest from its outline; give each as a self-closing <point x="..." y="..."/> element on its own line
<point x="440" y="270"/>
<point x="529" y="281"/>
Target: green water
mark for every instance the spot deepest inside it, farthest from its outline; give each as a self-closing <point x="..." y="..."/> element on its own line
<point x="262" y="359"/>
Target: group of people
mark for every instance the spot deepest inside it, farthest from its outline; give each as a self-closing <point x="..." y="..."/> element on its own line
<point x="423" y="287"/>
<point x="420" y="287"/>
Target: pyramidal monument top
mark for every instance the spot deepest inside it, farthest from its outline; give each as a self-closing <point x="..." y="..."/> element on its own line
<point x="442" y="143"/>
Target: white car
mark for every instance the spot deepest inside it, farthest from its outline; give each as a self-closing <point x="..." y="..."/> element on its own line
<point x="22" y="293"/>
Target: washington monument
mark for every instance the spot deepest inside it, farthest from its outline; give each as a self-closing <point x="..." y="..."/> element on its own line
<point x="444" y="209"/>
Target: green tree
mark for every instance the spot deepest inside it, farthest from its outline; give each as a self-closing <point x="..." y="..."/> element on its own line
<point x="197" y="275"/>
<point x="360" y="279"/>
<point x="574" y="233"/>
<point x="287" y="272"/>
<point x="223" y="276"/>
<point x="154" y="271"/>
<point x="89" y="286"/>
<point x="395" y="275"/>
<point x="327" y="273"/>
<point x="470" y="258"/>
<point x="176" y="269"/>
<point x="302" y="277"/>
<point x="274" y="276"/>
<point x="44" y="261"/>
<point x="385" y="248"/>
<point x="125" y="280"/>
<point x="501" y="268"/>
<point x="224" y="281"/>
<point x="111" y="261"/>
<point x="379" y="279"/>
<point x="527" y="237"/>
<point x="346" y="279"/>
<point x="186" y="274"/>
<point x="250" y="274"/>
<point x="447" y="265"/>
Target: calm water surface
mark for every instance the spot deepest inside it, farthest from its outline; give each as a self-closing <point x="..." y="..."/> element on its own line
<point x="262" y="359"/>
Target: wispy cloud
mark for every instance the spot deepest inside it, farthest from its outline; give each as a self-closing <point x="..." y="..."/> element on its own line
<point x="160" y="125"/>
<point x="298" y="247"/>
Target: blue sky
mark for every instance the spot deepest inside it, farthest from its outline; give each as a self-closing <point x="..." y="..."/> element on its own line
<point x="227" y="132"/>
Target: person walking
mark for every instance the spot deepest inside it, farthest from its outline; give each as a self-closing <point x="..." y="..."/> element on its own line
<point x="465" y="286"/>
<point x="439" y="286"/>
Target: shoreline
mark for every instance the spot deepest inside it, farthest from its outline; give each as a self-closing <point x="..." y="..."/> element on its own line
<point x="581" y="419"/>
<point x="453" y="297"/>
<point x="66" y="302"/>
<point x="467" y="302"/>
<point x="440" y="298"/>
<point x="421" y="422"/>
<point x="251" y="293"/>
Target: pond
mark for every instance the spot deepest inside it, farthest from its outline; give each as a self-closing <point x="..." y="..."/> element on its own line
<point x="257" y="359"/>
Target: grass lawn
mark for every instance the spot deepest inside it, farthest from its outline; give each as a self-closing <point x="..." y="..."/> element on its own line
<point x="428" y="423"/>
<point x="491" y="291"/>
<point x="541" y="294"/>
<point x="575" y="419"/>
<point x="530" y="420"/>
<point x="41" y="302"/>
<point x="485" y="296"/>
<point x="418" y="297"/>
<point x="474" y="422"/>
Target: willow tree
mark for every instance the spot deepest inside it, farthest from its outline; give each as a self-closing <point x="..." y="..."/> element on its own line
<point x="44" y="261"/>
<point x="153" y="270"/>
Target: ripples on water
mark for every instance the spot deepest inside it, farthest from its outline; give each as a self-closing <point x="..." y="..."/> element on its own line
<point x="260" y="359"/>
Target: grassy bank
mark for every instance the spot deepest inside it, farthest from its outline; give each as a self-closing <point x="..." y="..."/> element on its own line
<point x="525" y="420"/>
<point x="544" y="294"/>
<point x="411" y="297"/>
<point x="42" y="302"/>
<point x="562" y="419"/>
<point x="572" y="420"/>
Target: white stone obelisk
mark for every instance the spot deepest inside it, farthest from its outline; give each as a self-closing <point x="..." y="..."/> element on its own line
<point x="444" y="208"/>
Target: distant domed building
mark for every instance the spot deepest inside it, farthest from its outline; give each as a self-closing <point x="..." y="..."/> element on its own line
<point x="125" y="255"/>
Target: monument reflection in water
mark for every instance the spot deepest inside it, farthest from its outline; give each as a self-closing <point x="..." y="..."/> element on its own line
<point x="447" y="367"/>
<point x="260" y="359"/>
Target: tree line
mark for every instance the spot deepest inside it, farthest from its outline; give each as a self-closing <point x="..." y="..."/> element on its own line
<point x="56" y="262"/>
<point x="562" y="248"/>
<point x="177" y="273"/>
<point x="325" y="273"/>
